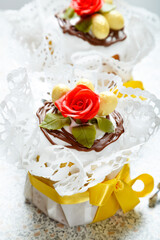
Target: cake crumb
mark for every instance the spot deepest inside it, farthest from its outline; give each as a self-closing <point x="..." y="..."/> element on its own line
<point x="37" y="234"/>
<point x="52" y="235"/>
<point x="78" y="228"/>
<point x="60" y="225"/>
<point x="111" y="233"/>
<point x="37" y="225"/>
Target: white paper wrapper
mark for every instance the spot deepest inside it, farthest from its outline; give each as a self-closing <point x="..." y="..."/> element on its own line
<point x="22" y="140"/>
<point x="38" y="40"/>
<point x="71" y="215"/>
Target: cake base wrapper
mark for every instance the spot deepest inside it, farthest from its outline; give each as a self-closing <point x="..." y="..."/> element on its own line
<point x="103" y="200"/>
<point x="71" y="215"/>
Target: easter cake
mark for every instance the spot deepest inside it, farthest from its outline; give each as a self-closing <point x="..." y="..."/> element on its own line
<point x="81" y="131"/>
<point x="92" y="25"/>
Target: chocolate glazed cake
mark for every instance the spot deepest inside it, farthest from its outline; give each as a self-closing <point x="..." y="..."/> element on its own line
<point x="99" y="144"/>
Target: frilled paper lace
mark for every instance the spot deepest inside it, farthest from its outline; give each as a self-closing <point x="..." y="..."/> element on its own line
<point x="72" y="171"/>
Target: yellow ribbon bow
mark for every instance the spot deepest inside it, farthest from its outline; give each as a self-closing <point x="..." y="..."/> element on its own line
<point x="117" y="193"/>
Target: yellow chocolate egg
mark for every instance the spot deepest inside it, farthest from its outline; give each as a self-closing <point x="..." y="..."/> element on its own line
<point x="108" y="103"/>
<point x="86" y="82"/>
<point x="100" y="26"/>
<point x="58" y="91"/>
<point x="115" y="19"/>
<point x="108" y="1"/>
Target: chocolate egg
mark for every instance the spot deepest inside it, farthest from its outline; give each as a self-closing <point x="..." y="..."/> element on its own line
<point x="86" y="82"/>
<point x="108" y="103"/>
<point x="115" y="19"/>
<point x="100" y="26"/>
<point x="108" y="1"/>
<point x="58" y="91"/>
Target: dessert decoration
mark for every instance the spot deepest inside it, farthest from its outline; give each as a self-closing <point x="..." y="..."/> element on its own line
<point x="85" y="8"/>
<point x="108" y="103"/>
<point x="84" y="112"/>
<point x="58" y="91"/>
<point x="115" y="19"/>
<point x="100" y="27"/>
<point x="94" y="21"/>
<point x="87" y="83"/>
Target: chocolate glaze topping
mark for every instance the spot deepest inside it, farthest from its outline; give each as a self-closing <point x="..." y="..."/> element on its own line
<point x="113" y="37"/>
<point x="67" y="137"/>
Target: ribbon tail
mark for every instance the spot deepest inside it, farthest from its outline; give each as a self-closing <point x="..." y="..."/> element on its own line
<point x="108" y="210"/>
<point x="127" y="198"/>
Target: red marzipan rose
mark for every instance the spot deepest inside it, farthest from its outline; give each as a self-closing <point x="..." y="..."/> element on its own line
<point x="86" y="7"/>
<point x="80" y="103"/>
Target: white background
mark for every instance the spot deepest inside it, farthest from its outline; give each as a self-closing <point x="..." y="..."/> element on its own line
<point x="152" y="5"/>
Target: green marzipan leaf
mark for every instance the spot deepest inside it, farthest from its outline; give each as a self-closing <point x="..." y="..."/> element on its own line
<point x="78" y="121"/>
<point x="93" y="121"/>
<point x="84" y="25"/>
<point x="85" y="135"/>
<point x="69" y="13"/>
<point x="107" y="8"/>
<point x="105" y="125"/>
<point x="54" y="121"/>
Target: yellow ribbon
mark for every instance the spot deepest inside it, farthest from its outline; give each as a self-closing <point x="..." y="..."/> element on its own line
<point x="117" y="193"/>
<point x="133" y="84"/>
<point x="45" y="186"/>
<point x="109" y="195"/>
